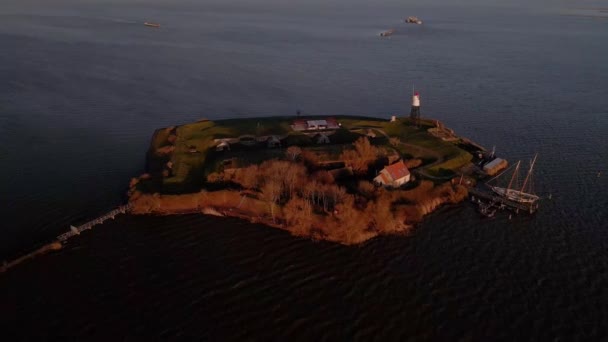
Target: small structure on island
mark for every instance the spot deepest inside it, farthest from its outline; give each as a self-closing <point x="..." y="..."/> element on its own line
<point x="299" y="125"/>
<point x="273" y="141"/>
<point x="495" y="166"/>
<point x="308" y="125"/>
<point x="415" y="112"/>
<point x="247" y="140"/>
<point x="394" y="175"/>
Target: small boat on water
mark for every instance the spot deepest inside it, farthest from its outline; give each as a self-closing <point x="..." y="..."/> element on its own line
<point x="149" y="24"/>
<point x="413" y="20"/>
<point x="387" y="33"/>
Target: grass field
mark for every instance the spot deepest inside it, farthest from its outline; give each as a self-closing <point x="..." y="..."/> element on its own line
<point x="190" y="168"/>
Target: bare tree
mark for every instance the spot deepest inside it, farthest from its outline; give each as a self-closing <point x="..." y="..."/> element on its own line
<point x="310" y="159"/>
<point x="323" y="176"/>
<point x="382" y="216"/>
<point x="215" y="177"/>
<point x="293" y="176"/>
<point x="248" y="177"/>
<point x="366" y="189"/>
<point x="293" y="152"/>
<point x="363" y="155"/>
<point x="272" y="192"/>
<point x="299" y="215"/>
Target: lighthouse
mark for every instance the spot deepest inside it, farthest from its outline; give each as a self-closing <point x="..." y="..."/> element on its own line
<point x="415" y="112"/>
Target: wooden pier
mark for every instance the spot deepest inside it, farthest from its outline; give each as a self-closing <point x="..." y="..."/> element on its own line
<point x="61" y="239"/>
<point x="101" y="219"/>
<point x="501" y="202"/>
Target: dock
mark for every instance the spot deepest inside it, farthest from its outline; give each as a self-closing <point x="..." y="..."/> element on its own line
<point x="501" y="202"/>
<point x="63" y="238"/>
<point x="101" y="219"/>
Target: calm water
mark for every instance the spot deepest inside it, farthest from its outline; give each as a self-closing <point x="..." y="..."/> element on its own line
<point x="84" y="84"/>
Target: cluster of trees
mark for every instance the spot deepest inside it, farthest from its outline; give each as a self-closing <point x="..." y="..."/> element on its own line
<point x="310" y="202"/>
<point x="279" y="181"/>
<point x="362" y="156"/>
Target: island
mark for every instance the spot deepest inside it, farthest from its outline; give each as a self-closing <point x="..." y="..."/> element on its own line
<point x="344" y="179"/>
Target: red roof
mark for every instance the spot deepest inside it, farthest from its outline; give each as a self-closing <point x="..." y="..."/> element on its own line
<point x="332" y="123"/>
<point x="385" y="179"/>
<point x="397" y="170"/>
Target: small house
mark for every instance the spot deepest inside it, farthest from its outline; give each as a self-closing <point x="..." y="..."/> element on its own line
<point x="300" y="125"/>
<point x="495" y="166"/>
<point x="247" y="140"/>
<point x="332" y="123"/>
<point x="394" y="175"/>
<point x="317" y="124"/>
<point x="321" y="124"/>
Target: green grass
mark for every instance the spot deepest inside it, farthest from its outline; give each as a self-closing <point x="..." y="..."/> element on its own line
<point x="452" y="164"/>
<point x="190" y="169"/>
<point x="159" y="138"/>
<point x="256" y="126"/>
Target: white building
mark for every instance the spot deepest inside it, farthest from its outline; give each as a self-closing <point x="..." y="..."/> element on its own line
<point x="306" y="125"/>
<point x="393" y="175"/>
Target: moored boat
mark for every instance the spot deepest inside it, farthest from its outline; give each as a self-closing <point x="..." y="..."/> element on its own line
<point x="513" y="191"/>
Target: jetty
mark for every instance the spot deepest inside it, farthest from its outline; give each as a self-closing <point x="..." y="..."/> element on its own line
<point x="63" y="238"/>
<point x="478" y="196"/>
<point x="101" y="219"/>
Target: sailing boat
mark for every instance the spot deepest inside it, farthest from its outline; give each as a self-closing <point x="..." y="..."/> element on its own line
<point x="513" y="191"/>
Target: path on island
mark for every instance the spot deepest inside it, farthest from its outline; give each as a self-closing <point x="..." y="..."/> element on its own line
<point x="422" y="171"/>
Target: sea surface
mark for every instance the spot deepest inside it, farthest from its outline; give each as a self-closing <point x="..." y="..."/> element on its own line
<point x="83" y="84"/>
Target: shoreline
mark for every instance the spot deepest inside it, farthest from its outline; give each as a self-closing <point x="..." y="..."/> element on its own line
<point x="210" y="203"/>
<point x="226" y="202"/>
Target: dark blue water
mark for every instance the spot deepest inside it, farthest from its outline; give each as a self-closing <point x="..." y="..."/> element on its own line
<point x="84" y="84"/>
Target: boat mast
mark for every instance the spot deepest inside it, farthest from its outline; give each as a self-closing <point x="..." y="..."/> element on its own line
<point x="514" y="174"/>
<point x="529" y="173"/>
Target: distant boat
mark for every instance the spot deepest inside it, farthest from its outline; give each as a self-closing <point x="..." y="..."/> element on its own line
<point x="387" y="33"/>
<point x="152" y="24"/>
<point x="413" y="20"/>
<point x="513" y="191"/>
